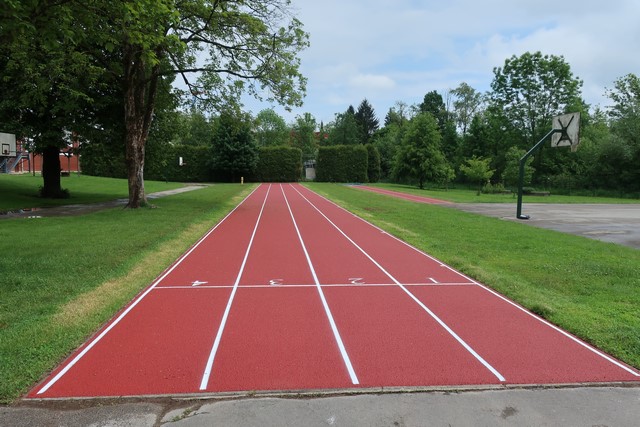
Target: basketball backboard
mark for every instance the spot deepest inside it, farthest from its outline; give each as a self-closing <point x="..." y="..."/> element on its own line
<point x="569" y="125"/>
<point x="7" y="144"/>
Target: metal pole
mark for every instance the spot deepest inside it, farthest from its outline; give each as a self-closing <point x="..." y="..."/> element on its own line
<point x="523" y="161"/>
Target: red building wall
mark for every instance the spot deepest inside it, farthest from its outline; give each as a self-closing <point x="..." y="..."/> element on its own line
<point x="69" y="160"/>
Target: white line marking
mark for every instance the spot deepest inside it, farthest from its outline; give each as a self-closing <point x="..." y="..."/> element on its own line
<point x="563" y="332"/>
<point x="198" y="283"/>
<point x="524" y="310"/>
<point x="433" y="280"/>
<point x="324" y="285"/>
<point x="327" y="310"/>
<point x="423" y="306"/>
<point x="216" y="343"/>
<point x="124" y="313"/>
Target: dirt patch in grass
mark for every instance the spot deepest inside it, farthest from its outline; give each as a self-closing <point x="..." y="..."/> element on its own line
<point x="142" y="274"/>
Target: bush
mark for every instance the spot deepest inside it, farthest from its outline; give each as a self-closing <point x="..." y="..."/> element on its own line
<point x="497" y="188"/>
<point x="342" y="163"/>
<point x="278" y="164"/>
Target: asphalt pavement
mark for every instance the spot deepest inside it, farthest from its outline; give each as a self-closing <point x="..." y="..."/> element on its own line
<point x="577" y="406"/>
<point x="614" y="223"/>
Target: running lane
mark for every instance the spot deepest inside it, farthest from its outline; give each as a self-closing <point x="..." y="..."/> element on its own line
<point x="159" y="343"/>
<point x="406" y="196"/>
<point x="524" y="348"/>
<point x="278" y="335"/>
<point x="392" y="341"/>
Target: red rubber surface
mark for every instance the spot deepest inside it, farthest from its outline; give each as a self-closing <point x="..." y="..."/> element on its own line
<point x="242" y="311"/>
<point x="406" y="196"/>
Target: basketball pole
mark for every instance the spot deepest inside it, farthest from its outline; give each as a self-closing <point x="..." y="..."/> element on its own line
<point x="523" y="161"/>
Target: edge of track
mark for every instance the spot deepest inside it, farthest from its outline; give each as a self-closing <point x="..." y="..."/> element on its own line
<point x="317" y="393"/>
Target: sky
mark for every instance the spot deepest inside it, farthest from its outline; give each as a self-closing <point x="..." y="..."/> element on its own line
<point x="399" y="50"/>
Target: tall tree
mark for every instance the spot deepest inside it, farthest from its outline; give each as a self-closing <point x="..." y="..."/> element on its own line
<point x="234" y="153"/>
<point x="44" y="79"/>
<point x="367" y="121"/>
<point x="625" y="113"/>
<point x="533" y="88"/>
<point x="387" y="141"/>
<point x="345" y="129"/>
<point x="271" y="129"/>
<point x="220" y="49"/>
<point x="397" y="114"/>
<point x="434" y="105"/>
<point x="420" y="156"/>
<point x="303" y="136"/>
<point x="466" y="105"/>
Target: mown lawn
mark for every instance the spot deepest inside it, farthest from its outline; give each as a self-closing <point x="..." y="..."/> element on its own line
<point x="587" y="287"/>
<point x="21" y="191"/>
<point x="63" y="277"/>
<point x="463" y="195"/>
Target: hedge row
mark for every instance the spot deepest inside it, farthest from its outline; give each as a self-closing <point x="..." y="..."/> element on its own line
<point x="342" y="163"/>
<point x="374" y="171"/>
<point x="165" y="166"/>
<point x="279" y="164"/>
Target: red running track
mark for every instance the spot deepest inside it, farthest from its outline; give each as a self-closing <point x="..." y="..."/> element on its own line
<point x="401" y="195"/>
<point x="291" y="292"/>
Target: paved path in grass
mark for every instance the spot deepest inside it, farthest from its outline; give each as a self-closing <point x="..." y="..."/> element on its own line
<point x="81" y="209"/>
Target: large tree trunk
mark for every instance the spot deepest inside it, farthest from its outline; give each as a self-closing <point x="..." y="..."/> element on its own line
<point x="141" y="84"/>
<point x="52" y="188"/>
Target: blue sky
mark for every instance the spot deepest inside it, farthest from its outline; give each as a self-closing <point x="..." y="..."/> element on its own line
<point x="398" y="50"/>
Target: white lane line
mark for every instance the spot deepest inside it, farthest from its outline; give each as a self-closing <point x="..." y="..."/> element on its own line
<point x="422" y="305"/>
<point x="212" y="355"/>
<point x="327" y="310"/>
<point x="486" y="288"/>
<point x="563" y="332"/>
<point x="310" y="285"/>
<point x="124" y="313"/>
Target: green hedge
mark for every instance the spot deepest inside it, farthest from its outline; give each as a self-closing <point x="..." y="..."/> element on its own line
<point x="374" y="170"/>
<point x="164" y="164"/>
<point x="275" y="164"/>
<point x="279" y="164"/>
<point x="342" y="163"/>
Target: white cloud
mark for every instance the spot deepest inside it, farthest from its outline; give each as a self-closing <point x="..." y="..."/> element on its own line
<point x="372" y="82"/>
<point x="399" y="50"/>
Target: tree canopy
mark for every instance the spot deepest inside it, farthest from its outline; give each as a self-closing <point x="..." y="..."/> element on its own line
<point x="420" y="156"/>
<point x="219" y="49"/>
<point x="533" y="88"/>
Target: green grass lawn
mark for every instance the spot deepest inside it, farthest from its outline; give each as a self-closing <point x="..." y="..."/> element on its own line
<point x="62" y="277"/>
<point x="459" y="195"/>
<point x="21" y="191"/>
<point x="588" y="287"/>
